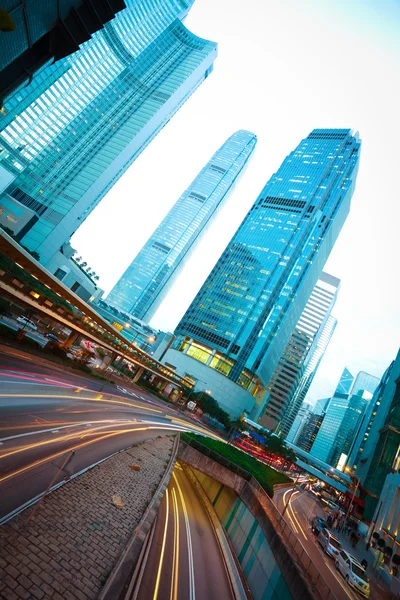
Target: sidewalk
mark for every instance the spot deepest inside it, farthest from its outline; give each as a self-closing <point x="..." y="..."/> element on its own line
<point x="379" y="582"/>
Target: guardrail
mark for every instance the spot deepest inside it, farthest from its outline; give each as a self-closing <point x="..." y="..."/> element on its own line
<point x="282" y="528"/>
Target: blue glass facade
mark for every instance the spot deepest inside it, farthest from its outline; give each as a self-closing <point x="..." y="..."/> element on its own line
<point x="70" y="135"/>
<point x="338" y="426"/>
<point x="146" y="281"/>
<point x="249" y="305"/>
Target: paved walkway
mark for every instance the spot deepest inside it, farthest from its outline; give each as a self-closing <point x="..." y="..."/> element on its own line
<point x="65" y="548"/>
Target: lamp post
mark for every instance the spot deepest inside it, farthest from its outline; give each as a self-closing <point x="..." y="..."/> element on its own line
<point x="354" y="494"/>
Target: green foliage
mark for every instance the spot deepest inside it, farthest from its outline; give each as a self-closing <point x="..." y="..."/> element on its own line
<point x="275" y="445"/>
<point x="210" y="406"/>
<point x="5" y="307"/>
<point x="266" y="476"/>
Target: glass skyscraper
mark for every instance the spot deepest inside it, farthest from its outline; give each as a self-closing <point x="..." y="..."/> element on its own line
<point x="243" y="316"/>
<point x="69" y="136"/>
<point x="336" y="432"/>
<point x="308" y="341"/>
<point x="345" y="382"/>
<point x="146" y="281"/>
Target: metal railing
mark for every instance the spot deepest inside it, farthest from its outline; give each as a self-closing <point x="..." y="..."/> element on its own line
<point x="282" y="528"/>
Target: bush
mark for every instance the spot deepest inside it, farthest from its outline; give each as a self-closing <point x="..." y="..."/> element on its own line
<point x="266" y="476"/>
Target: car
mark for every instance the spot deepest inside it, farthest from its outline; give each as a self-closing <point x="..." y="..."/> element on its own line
<point x="52" y="338"/>
<point x="27" y="323"/>
<point x="317" y="524"/>
<point x="329" y="543"/>
<point x="353" y="572"/>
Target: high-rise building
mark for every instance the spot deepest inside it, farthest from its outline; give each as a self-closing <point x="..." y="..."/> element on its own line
<point x="378" y="451"/>
<point x="345" y="382"/>
<point x="146" y="281"/>
<point x="336" y="431"/>
<point x="45" y="32"/>
<point x="301" y="418"/>
<point x="70" y="135"/>
<point x="309" y="431"/>
<point x="364" y="382"/>
<point x="311" y="365"/>
<point x="238" y="325"/>
<point x="290" y="373"/>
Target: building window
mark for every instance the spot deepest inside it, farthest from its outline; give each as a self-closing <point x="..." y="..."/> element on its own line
<point x="60" y="274"/>
<point x="75" y="286"/>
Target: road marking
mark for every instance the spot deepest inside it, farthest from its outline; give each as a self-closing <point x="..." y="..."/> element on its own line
<point x="175" y="565"/>
<point x="189" y="542"/>
<point x="55" y="431"/>
<point x="160" y="564"/>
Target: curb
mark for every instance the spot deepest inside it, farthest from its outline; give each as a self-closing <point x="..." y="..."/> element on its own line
<point x="240" y="591"/>
<point x="123" y="570"/>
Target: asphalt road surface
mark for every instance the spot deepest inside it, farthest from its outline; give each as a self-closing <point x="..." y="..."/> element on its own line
<point x="302" y="506"/>
<point x="53" y="425"/>
<point x="184" y="561"/>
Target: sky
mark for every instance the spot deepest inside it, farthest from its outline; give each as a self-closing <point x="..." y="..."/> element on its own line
<point x="283" y="69"/>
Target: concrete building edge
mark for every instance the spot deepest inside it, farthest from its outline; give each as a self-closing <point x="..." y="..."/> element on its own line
<point x="235" y="573"/>
<point x="127" y="562"/>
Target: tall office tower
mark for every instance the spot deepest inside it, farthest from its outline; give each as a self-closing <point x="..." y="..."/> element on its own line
<point x="309" y="431"/>
<point x="45" y="32"/>
<point x="345" y="382"/>
<point x="312" y="329"/>
<point x="70" y="135"/>
<point x="364" y="381"/>
<point x="336" y="432"/>
<point x="379" y="448"/>
<point x="146" y="281"/>
<point x="302" y="416"/>
<point x="238" y="325"/>
<point x="310" y="369"/>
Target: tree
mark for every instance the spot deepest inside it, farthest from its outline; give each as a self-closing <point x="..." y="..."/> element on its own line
<point x="210" y="406"/>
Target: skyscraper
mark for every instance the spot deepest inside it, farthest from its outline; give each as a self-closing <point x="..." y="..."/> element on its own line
<point x="345" y="382"/>
<point x="378" y="452"/>
<point x="336" y="432"/>
<point x="239" y="323"/>
<point x="311" y="365"/>
<point x="364" y="381"/>
<point x="70" y="135"/>
<point x="44" y="32"/>
<point x="306" y="437"/>
<point x="284" y="402"/>
<point x="146" y="281"/>
<point x="301" y="418"/>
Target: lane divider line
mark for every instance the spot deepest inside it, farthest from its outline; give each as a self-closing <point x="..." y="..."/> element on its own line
<point x="189" y="542"/>
<point x="160" y="564"/>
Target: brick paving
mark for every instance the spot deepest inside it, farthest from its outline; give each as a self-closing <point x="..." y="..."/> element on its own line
<point x="75" y="536"/>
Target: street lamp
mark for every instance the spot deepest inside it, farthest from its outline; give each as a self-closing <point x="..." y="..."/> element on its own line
<point x="352" y="476"/>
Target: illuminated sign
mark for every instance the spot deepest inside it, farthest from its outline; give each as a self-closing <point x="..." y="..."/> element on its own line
<point x="117" y="326"/>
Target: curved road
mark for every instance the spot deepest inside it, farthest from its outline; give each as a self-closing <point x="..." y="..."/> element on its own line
<point x="301" y="507"/>
<point x="53" y="425"/>
<point x="184" y="561"/>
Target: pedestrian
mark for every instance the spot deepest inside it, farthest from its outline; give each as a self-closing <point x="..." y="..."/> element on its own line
<point x="364" y="564"/>
<point x="335" y="523"/>
<point x="353" y="539"/>
<point x="357" y="538"/>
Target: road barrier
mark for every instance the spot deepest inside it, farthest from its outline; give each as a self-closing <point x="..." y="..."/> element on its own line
<point x="281" y="527"/>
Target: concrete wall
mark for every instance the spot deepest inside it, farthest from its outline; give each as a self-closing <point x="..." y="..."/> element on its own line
<point x="231" y="397"/>
<point x="270" y="569"/>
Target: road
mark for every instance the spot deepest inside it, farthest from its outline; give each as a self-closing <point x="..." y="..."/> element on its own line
<point x="302" y="506"/>
<point x="184" y="561"/>
<point x="53" y="425"/>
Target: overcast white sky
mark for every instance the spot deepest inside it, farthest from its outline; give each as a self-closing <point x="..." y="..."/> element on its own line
<point x="283" y="69"/>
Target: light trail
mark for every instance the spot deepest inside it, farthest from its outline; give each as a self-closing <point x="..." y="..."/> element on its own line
<point x="189" y="542"/>
<point x="160" y="564"/>
<point x="288" y="513"/>
<point x="79" y="446"/>
<point x="290" y="507"/>
<point x="97" y="399"/>
<point x="175" y="564"/>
